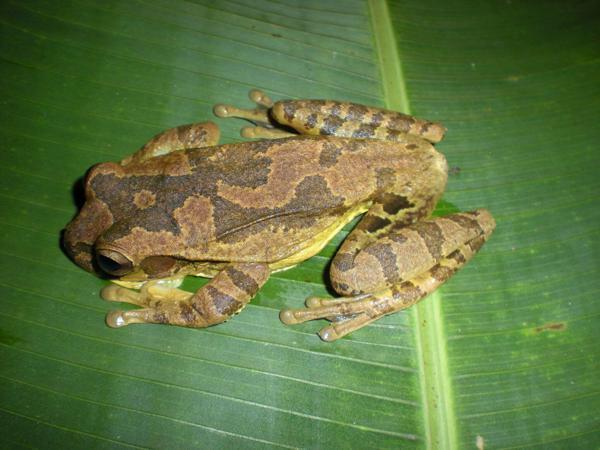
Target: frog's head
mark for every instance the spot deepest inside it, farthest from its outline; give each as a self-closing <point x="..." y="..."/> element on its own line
<point x="93" y="219"/>
<point x="130" y="253"/>
<point x="110" y="236"/>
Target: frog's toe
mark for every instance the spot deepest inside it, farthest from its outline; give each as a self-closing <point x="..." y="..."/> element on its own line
<point x="287" y="316"/>
<point x="119" y="318"/>
<point x="221" y="110"/>
<point x="115" y="319"/>
<point x="260" y="98"/>
<point x="313" y="302"/>
<point x="257" y="115"/>
<point x="328" y="334"/>
<point x="110" y="293"/>
<point x="340" y="329"/>
<point x="337" y="309"/>
<point x="347" y="314"/>
<point x="114" y="293"/>
<point x="300" y="315"/>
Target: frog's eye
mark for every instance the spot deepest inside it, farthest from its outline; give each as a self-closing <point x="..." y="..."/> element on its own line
<point x="113" y="262"/>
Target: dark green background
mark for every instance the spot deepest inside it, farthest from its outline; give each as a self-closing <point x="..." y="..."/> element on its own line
<point x="504" y="355"/>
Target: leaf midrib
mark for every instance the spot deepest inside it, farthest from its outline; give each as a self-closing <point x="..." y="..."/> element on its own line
<point x="438" y="411"/>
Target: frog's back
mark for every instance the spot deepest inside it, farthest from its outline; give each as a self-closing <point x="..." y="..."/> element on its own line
<point x="255" y="201"/>
<point x="268" y="199"/>
<point x="277" y="174"/>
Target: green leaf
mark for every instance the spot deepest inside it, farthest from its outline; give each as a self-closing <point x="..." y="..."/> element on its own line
<point x="504" y="355"/>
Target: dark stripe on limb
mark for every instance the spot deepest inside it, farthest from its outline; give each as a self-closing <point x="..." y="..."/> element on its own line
<point x="432" y="235"/>
<point x="372" y="223"/>
<point x="187" y="312"/>
<point x="464" y="221"/>
<point x="393" y="203"/>
<point x="224" y="304"/>
<point x="387" y="260"/>
<point x="229" y="291"/>
<point x="243" y="281"/>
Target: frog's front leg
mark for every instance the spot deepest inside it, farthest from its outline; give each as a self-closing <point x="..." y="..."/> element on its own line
<point x="396" y="271"/>
<point x="225" y="295"/>
<point x="194" y="135"/>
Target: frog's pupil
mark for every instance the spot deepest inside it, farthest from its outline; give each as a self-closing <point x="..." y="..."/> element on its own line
<point x="112" y="266"/>
<point x="108" y="265"/>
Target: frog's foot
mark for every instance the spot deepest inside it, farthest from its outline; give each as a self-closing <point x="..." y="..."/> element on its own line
<point x="152" y="295"/>
<point x="265" y="127"/>
<point x="258" y="115"/>
<point x="351" y="313"/>
<point x="149" y="292"/>
<point x="225" y="295"/>
<point x="347" y="314"/>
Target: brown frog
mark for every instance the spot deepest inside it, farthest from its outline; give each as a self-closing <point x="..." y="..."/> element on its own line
<point x="183" y="205"/>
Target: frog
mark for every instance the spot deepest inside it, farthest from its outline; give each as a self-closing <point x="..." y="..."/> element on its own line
<point x="185" y="205"/>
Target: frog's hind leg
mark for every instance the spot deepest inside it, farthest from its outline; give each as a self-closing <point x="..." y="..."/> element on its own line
<point x="265" y="127"/>
<point x="397" y="285"/>
<point x="345" y="119"/>
<point x="194" y="135"/>
<point x="225" y="295"/>
<point x="349" y="314"/>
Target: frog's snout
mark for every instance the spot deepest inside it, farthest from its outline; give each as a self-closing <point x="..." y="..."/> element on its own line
<point x="81" y="233"/>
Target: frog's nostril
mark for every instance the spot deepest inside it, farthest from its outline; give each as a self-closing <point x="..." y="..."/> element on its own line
<point x="113" y="262"/>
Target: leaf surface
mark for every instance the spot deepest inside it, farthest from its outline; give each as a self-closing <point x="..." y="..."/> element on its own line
<point x="504" y="355"/>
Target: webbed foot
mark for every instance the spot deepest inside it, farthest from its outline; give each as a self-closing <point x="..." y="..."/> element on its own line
<point x="225" y="295"/>
<point x="347" y="314"/>
<point x="153" y="296"/>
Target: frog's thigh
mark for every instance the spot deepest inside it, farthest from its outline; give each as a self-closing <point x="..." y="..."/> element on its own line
<point x="203" y="134"/>
<point x="402" y="254"/>
<point x="222" y="297"/>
